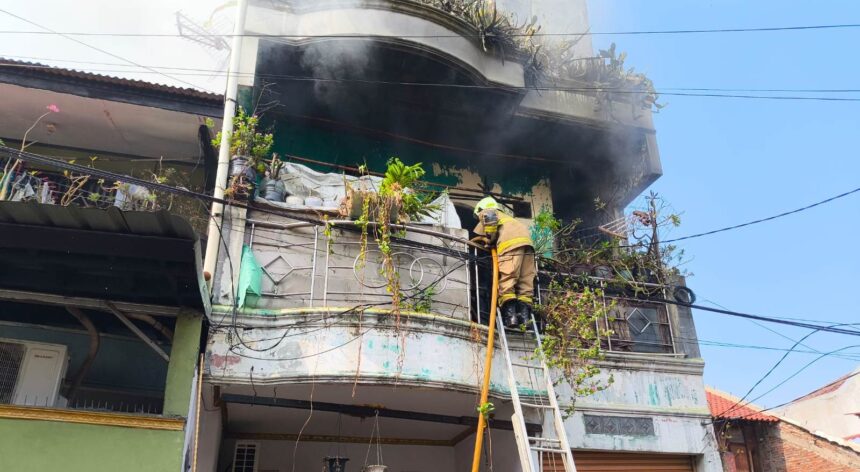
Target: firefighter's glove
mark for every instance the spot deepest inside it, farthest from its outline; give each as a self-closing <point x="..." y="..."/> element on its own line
<point x="481" y="241"/>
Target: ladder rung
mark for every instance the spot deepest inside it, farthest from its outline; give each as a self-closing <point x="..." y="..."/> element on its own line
<point x="533" y="405"/>
<point x="550" y="440"/>
<point x="547" y="449"/>
<point x="530" y="366"/>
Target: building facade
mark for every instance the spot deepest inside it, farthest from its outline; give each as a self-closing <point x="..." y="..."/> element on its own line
<point x="320" y="364"/>
<point x="102" y="304"/>
<point x="750" y="440"/>
<point x="832" y="409"/>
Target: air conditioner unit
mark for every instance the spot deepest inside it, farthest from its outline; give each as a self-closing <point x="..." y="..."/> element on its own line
<point x="31" y="373"/>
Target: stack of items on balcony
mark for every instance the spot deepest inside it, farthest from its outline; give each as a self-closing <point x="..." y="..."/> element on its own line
<point x="309" y="190"/>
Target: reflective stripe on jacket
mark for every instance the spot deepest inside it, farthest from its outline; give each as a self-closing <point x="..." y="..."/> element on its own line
<point x="511" y="233"/>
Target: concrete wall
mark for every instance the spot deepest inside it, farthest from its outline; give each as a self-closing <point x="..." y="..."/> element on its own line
<point x="27" y="445"/>
<point x="211" y="428"/>
<point x="833" y="412"/>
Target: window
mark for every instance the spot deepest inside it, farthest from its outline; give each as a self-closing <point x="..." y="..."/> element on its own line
<point x="640" y="328"/>
<point x="245" y="458"/>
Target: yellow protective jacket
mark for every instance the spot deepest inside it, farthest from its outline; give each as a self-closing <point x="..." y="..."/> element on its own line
<point x="502" y="230"/>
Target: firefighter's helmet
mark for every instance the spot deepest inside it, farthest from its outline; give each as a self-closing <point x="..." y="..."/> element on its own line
<point x="486" y="203"/>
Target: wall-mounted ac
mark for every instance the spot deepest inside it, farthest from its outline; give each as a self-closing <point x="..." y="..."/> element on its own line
<point x="31" y="373"/>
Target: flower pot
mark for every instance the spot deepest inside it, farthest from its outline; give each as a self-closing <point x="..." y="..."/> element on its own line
<point x="375" y="468"/>
<point x="335" y="464"/>
<point x="274" y="190"/>
<point x="240" y="165"/>
<point x="602" y="271"/>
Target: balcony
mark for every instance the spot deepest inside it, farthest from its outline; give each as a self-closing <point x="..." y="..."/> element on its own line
<point x="323" y="350"/>
<point x="324" y="299"/>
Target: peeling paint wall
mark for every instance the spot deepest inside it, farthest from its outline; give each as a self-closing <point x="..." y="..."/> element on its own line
<point x="672" y="435"/>
<point x="432" y="352"/>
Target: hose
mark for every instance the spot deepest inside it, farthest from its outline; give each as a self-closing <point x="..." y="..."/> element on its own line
<point x="488" y="364"/>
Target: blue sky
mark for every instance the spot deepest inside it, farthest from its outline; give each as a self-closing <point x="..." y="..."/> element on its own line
<point x="731" y="160"/>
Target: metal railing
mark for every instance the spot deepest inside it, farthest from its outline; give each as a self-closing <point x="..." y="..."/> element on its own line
<point x="308" y="265"/>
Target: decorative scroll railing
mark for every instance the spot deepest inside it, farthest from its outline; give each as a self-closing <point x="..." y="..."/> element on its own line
<point x="307" y="265"/>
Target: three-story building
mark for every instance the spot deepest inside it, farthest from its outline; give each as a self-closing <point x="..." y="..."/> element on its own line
<point x="319" y="364"/>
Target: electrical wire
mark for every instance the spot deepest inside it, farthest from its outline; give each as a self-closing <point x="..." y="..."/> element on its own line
<point x="759" y="29"/>
<point x="249" y="74"/>
<point x="763" y="326"/>
<point x="31" y="157"/>
<point x="762" y="220"/>
<point x="771" y="408"/>
<point x="90" y="46"/>
<point x="538" y="88"/>
<point x="738" y="404"/>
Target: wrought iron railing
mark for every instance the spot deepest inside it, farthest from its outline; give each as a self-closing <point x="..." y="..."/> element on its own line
<point x="308" y="265"/>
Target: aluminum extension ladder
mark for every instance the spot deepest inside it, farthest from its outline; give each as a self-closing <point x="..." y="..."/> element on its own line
<point x="533" y="449"/>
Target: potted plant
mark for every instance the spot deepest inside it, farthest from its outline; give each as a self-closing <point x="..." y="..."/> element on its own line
<point x="273" y="187"/>
<point x="249" y="148"/>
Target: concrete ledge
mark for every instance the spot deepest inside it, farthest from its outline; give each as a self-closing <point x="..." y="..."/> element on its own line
<point x="91" y="417"/>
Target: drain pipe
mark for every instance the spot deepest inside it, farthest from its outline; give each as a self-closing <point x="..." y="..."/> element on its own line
<point x="95" y="342"/>
<point x="216" y="216"/>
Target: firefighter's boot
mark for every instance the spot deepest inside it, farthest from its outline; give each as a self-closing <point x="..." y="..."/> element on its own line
<point x="509" y="314"/>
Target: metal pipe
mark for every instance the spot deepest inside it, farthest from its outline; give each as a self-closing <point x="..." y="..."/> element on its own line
<point x="216" y="216"/>
<point x="95" y="342"/>
<point x="164" y="330"/>
<point x="134" y="329"/>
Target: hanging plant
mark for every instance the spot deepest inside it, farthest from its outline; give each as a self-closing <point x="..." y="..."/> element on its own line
<point x="575" y="318"/>
<point x="399" y="199"/>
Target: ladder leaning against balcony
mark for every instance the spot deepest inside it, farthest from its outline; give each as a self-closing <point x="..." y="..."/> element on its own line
<point x="532" y="450"/>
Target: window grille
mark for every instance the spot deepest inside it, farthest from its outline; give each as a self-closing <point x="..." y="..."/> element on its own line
<point x="245" y="457"/>
<point x="11" y="356"/>
<point x="640" y="328"/>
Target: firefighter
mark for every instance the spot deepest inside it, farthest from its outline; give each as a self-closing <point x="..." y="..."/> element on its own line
<point x="516" y="260"/>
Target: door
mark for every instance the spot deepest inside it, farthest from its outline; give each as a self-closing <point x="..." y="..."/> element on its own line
<point x="588" y="461"/>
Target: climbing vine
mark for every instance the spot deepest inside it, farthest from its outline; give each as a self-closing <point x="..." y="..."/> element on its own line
<point x="623" y="257"/>
<point x="400" y="198"/>
<point x="575" y="318"/>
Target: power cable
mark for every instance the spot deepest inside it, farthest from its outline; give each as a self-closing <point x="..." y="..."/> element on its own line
<point x="738" y="404"/>
<point x="475" y="36"/>
<point x="222" y="72"/>
<point x="806" y="366"/>
<point x="770" y="319"/>
<point x="763" y="326"/>
<point x="115" y="56"/>
<point x="39" y="159"/>
<point x="771" y="408"/>
<point x="537" y="88"/>
<point x="760" y="220"/>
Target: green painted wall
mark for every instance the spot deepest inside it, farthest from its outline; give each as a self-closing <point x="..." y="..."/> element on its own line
<point x="352" y="149"/>
<point x="29" y="445"/>
<point x="184" y="356"/>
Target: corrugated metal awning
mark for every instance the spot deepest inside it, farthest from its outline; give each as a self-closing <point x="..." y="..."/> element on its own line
<point x="140" y="257"/>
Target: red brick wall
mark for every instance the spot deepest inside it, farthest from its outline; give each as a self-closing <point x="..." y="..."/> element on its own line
<point x="783" y="447"/>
